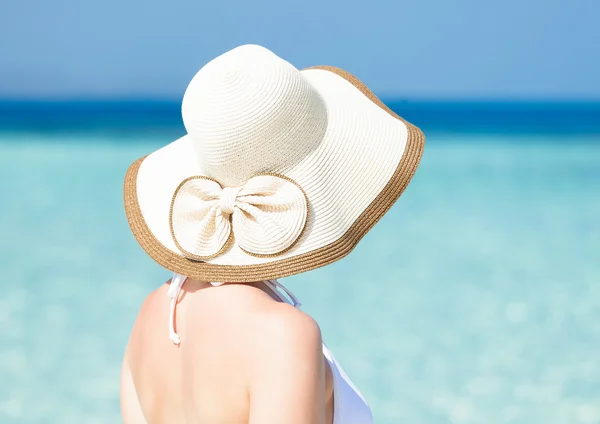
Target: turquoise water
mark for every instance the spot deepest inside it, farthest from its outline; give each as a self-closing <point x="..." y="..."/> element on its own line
<point x="476" y="299"/>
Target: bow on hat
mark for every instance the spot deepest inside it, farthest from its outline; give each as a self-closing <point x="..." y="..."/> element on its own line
<point x="266" y="215"/>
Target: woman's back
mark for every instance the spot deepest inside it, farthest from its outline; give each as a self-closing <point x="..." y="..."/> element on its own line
<point x="240" y="351"/>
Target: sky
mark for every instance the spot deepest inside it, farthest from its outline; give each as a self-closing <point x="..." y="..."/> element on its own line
<point x="418" y="49"/>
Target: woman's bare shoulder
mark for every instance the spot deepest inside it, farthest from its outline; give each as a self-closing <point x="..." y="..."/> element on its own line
<point x="287" y="370"/>
<point x="244" y="313"/>
<point x="268" y="324"/>
<point x="281" y="322"/>
<point x="284" y="335"/>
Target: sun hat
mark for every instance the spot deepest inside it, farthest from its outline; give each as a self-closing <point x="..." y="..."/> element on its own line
<point x="281" y="171"/>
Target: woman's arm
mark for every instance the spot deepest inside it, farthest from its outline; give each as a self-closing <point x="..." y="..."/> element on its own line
<point x="130" y="406"/>
<point x="288" y="378"/>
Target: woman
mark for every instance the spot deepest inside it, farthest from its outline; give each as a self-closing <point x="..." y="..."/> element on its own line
<point x="281" y="171"/>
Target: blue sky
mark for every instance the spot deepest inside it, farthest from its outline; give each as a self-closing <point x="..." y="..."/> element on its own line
<point x="511" y="49"/>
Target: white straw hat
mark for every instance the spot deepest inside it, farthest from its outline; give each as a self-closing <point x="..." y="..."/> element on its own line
<point x="281" y="171"/>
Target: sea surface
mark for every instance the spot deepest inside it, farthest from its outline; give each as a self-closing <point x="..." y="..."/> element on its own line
<point x="476" y="299"/>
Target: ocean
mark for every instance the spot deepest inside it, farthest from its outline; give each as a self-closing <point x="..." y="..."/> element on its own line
<point x="476" y="299"/>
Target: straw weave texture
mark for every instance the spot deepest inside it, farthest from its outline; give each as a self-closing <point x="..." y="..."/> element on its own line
<point x="274" y="267"/>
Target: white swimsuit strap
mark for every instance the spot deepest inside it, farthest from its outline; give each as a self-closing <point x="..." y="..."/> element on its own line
<point x="274" y="285"/>
<point x="177" y="283"/>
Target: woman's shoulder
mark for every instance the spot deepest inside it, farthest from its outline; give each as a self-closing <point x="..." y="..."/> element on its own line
<point x="285" y="359"/>
<point x="269" y="325"/>
<point x="244" y="314"/>
<point x="281" y="323"/>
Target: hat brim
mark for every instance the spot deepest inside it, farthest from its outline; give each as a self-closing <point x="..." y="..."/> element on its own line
<point x="358" y="121"/>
